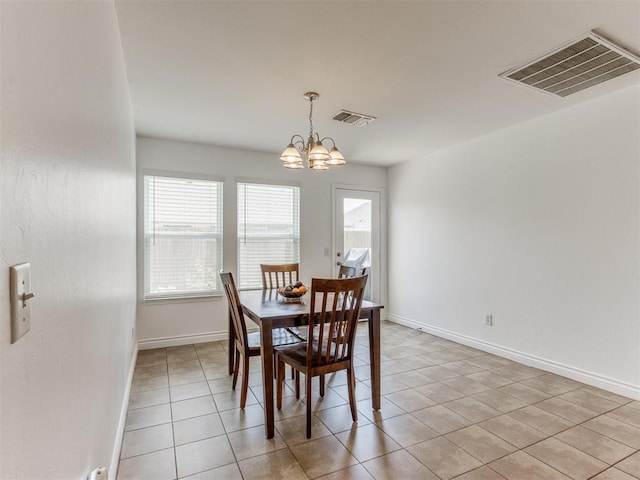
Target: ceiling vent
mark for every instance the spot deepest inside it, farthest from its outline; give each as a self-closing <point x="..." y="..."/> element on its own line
<point x="575" y="66"/>
<point x="352" y="118"/>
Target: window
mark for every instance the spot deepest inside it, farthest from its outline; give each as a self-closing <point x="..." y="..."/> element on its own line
<point x="182" y="236"/>
<point x="268" y="229"/>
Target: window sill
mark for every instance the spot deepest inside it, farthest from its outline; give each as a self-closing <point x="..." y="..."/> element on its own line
<point x="185" y="299"/>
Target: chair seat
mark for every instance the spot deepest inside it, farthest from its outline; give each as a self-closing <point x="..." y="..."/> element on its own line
<point x="280" y="337"/>
<point x="298" y="353"/>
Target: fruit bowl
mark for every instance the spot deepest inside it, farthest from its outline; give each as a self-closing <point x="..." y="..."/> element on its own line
<point x="293" y="291"/>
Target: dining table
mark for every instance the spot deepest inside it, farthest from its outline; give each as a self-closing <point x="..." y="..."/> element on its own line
<point x="269" y="310"/>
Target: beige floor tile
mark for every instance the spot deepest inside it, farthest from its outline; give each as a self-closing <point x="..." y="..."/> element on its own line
<point x="499" y="400"/>
<point x="387" y="410"/>
<point x="157" y="465"/>
<point x="338" y="419"/>
<point x="490" y="379"/>
<point x="626" y="414"/>
<point x="184" y="367"/>
<point x="357" y="472"/>
<point x="482" y="473"/>
<point x="590" y="401"/>
<point x="187" y="377"/>
<point x="142" y="384"/>
<point x="294" y="430"/>
<point x="551" y="385"/>
<point x="525" y="393"/>
<point x="541" y="420"/>
<point x="438" y="372"/>
<point x="398" y="465"/>
<point x="444" y="457"/>
<point x="146" y="440"/>
<point x="595" y="444"/>
<point x="405" y="430"/>
<point x="150" y="371"/>
<point x="227" y="472"/>
<point x="367" y="441"/>
<point x="231" y="399"/>
<point x="158" y="358"/>
<point x="194" y="407"/>
<point x="608" y="395"/>
<point x="567" y="410"/>
<point x="630" y="465"/>
<point x="614" y="474"/>
<point x="148" y="417"/>
<point x="622" y="432"/>
<point x="410" y="400"/>
<point x="439" y="392"/>
<point x="521" y="466"/>
<point x="220" y="385"/>
<point x="322" y="456"/>
<point x="278" y="464"/>
<point x="465" y="385"/>
<point x="190" y="390"/>
<point x="480" y="443"/>
<point x="250" y="416"/>
<point x="413" y="378"/>
<point x="149" y="398"/>
<point x="472" y="409"/>
<point x="566" y="459"/>
<point x="197" y="428"/>
<point x="462" y="367"/>
<point x="441" y="419"/>
<point x="513" y="431"/>
<point x="252" y="442"/>
<point x="203" y="455"/>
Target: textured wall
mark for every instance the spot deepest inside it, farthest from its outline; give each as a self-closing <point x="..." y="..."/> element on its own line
<point x="67" y="180"/>
<point x="538" y="225"/>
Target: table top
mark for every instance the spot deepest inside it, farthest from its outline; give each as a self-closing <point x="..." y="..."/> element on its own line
<point x="263" y="304"/>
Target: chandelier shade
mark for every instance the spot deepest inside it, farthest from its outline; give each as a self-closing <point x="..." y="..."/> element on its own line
<point x="313" y="150"/>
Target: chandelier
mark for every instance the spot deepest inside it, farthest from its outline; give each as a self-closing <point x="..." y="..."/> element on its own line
<point x="316" y="154"/>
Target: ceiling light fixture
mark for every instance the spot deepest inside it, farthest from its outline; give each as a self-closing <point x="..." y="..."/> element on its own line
<point x="317" y="156"/>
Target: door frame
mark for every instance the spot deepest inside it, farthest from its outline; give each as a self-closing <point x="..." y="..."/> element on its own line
<point x="383" y="230"/>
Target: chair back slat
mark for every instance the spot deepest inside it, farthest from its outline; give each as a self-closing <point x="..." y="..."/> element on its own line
<point x="235" y="308"/>
<point x="276" y="276"/>
<point x="339" y="301"/>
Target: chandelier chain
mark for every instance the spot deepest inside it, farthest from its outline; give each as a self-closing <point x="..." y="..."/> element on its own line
<point x="311" y="117"/>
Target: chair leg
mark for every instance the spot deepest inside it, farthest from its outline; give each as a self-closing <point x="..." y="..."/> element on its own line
<point x="245" y="380"/>
<point x="280" y="381"/>
<point x="322" y="385"/>
<point x="235" y="370"/>
<point x="297" y="385"/>
<point x="308" y="393"/>
<point x="352" y="394"/>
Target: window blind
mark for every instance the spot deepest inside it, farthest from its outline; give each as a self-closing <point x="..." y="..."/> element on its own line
<point x="182" y="237"/>
<point x="268" y="229"/>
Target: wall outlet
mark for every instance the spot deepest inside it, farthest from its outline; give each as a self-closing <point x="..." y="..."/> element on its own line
<point x="488" y="320"/>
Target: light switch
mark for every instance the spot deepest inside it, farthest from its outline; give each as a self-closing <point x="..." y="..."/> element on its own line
<point x="21" y="294"/>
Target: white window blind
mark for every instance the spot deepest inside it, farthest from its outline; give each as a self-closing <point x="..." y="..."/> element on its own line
<point x="182" y="237"/>
<point x="268" y="229"/>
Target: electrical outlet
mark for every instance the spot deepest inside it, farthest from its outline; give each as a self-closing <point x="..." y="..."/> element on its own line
<point x="488" y="320"/>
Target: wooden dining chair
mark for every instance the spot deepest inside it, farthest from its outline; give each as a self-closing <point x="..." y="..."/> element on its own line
<point x="247" y="344"/>
<point x="276" y="276"/>
<point x="329" y="346"/>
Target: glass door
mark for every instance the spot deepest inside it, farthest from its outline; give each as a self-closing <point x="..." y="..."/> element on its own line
<point x="357" y="234"/>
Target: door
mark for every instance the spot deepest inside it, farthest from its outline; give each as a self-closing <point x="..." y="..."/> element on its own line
<point x="357" y="234"/>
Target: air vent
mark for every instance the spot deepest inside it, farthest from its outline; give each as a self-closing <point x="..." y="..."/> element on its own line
<point x="575" y="66"/>
<point x="352" y="118"/>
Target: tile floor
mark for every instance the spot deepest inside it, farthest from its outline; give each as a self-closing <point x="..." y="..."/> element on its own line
<point x="448" y="411"/>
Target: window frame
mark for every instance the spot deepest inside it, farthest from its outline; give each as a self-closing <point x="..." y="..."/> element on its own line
<point x="219" y="236"/>
<point x="268" y="183"/>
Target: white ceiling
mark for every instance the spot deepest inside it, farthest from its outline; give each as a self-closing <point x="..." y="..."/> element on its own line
<point x="232" y="73"/>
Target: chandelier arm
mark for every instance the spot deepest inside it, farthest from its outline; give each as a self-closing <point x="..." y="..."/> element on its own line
<point x="295" y="142"/>
<point x="329" y="138"/>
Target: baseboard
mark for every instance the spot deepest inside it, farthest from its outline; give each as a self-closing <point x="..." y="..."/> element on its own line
<point x="182" y="340"/>
<point x="117" y="444"/>
<point x="590" y="378"/>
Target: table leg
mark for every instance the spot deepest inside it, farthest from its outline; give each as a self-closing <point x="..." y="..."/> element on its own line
<point x="232" y="344"/>
<point x="266" y="345"/>
<point x="374" y="357"/>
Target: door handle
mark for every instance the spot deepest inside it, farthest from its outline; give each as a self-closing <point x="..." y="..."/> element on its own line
<point x="339" y="264"/>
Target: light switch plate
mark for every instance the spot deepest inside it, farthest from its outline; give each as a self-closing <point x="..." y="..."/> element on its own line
<point x="20" y="277"/>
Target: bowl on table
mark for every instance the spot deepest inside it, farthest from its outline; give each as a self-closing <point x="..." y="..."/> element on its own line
<point x="292" y="293"/>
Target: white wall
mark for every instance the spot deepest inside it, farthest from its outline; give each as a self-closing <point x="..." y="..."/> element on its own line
<point x="538" y="225"/>
<point x="163" y="323"/>
<point x="67" y="184"/>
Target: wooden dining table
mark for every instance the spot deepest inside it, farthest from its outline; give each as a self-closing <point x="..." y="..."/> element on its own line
<point x="269" y="310"/>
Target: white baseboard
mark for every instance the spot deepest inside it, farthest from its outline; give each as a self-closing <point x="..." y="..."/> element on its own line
<point x="182" y="340"/>
<point x="117" y="444"/>
<point x="590" y="378"/>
